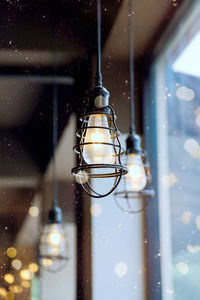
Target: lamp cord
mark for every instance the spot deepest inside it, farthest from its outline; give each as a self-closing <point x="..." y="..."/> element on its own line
<point x="98" y="78"/>
<point x="131" y="67"/>
<point x="55" y="140"/>
<point x="55" y="111"/>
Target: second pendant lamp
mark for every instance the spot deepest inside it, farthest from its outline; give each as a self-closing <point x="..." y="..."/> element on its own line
<point x="135" y="192"/>
<point x="53" y="246"/>
<point x="99" y="148"/>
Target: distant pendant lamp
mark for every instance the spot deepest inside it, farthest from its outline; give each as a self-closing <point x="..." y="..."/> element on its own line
<point x="53" y="246"/>
<point x="135" y="192"/>
<point x="99" y="148"/>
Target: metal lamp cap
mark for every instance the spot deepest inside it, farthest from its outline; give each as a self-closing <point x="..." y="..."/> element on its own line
<point x="55" y="215"/>
<point x="99" y="97"/>
<point x="133" y="144"/>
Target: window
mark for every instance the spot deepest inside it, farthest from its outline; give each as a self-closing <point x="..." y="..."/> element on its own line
<point x="173" y="138"/>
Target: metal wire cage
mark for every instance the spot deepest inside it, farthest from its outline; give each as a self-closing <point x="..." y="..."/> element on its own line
<point x="53" y="248"/>
<point x="99" y="150"/>
<point x="135" y="191"/>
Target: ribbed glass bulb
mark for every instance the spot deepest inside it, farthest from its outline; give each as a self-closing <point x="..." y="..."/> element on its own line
<point x="98" y="153"/>
<point x="53" y="240"/>
<point x="53" y="247"/>
<point x="136" y="178"/>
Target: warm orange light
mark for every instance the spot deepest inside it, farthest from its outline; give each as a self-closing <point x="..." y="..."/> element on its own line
<point x="54" y="238"/>
<point x="16" y="289"/>
<point x="136" y="178"/>
<point x="10" y="296"/>
<point x="26" y="274"/>
<point x="26" y="284"/>
<point x="3" y="292"/>
<point x="96" y="151"/>
<point x="47" y="262"/>
<point x="9" y="278"/>
<point x="33" y="267"/>
<point x="11" y="252"/>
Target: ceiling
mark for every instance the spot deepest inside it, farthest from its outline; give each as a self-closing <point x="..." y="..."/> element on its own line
<point x="146" y="26"/>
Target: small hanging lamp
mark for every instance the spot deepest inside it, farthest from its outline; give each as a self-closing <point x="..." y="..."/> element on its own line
<point x="136" y="190"/>
<point x="53" y="246"/>
<point x="99" y="149"/>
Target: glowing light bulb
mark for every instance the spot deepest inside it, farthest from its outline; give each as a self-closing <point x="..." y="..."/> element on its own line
<point x="98" y="153"/>
<point x="136" y="178"/>
<point x="54" y="238"/>
<point x="47" y="262"/>
<point x="52" y="243"/>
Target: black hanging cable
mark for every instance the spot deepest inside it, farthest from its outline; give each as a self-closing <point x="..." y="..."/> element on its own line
<point x="55" y="140"/>
<point x="55" y="112"/>
<point x="98" y="81"/>
<point x="131" y="67"/>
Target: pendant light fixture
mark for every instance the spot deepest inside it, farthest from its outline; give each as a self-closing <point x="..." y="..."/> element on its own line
<point x="53" y="247"/>
<point x="99" y="148"/>
<point x="136" y="190"/>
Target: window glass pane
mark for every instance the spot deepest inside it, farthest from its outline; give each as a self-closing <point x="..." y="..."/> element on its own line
<point x="175" y="80"/>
